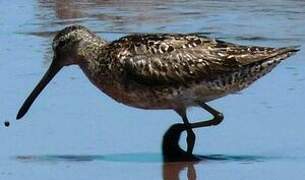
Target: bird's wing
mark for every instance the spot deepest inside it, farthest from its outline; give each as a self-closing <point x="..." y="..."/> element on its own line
<point x="158" y="59"/>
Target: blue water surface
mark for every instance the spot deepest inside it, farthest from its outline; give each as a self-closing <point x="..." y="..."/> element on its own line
<point x="73" y="131"/>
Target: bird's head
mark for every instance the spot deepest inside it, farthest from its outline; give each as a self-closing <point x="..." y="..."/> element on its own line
<point x="67" y="43"/>
<point x="66" y="46"/>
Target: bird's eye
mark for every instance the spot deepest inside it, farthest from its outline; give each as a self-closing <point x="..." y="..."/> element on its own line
<point x="61" y="44"/>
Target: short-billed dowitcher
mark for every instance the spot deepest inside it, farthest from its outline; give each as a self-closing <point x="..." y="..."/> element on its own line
<point x="161" y="71"/>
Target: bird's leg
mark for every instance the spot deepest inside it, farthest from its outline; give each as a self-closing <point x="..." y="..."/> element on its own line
<point x="190" y="139"/>
<point x="218" y="117"/>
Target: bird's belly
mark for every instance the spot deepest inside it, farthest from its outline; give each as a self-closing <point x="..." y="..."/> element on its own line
<point x="141" y="96"/>
<point x="169" y="97"/>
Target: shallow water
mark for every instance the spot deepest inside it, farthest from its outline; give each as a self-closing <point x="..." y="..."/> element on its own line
<point x="75" y="132"/>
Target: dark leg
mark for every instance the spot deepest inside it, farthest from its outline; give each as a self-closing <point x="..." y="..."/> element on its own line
<point x="218" y="117"/>
<point x="190" y="139"/>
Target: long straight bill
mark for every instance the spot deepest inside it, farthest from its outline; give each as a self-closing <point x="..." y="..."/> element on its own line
<point x="52" y="71"/>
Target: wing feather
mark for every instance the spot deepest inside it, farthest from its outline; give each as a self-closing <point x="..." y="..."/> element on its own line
<point x="162" y="59"/>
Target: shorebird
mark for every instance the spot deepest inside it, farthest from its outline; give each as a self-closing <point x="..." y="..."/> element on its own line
<point x="161" y="71"/>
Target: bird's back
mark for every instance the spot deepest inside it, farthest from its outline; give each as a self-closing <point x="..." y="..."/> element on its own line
<point x="179" y="58"/>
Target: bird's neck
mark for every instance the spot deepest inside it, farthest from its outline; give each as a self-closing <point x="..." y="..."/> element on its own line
<point x="91" y="60"/>
<point x="91" y="48"/>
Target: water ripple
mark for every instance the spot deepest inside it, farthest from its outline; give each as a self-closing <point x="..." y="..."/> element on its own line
<point x="148" y="158"/>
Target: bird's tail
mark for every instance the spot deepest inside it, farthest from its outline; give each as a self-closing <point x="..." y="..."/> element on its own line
<point x="291" y="50"/>
<point x="256" y="70"/>
<point x="276" y="57"/>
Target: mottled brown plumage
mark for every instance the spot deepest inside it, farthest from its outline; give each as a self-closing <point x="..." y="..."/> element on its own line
<point x="162" y="71"/>
<point x="170" y="71"/>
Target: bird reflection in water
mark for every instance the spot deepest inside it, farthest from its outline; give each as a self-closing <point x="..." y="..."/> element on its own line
<point x="171" y="170"/>
<point x="176" y="159"/>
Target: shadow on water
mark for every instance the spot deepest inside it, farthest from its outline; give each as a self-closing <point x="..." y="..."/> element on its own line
<point x="171" y="151"/>
<point x="174" y="158"/>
